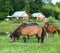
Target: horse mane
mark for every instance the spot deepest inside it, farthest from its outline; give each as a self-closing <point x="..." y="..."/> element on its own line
<point x="25" y="24"/>
<point x="32" y="24"/>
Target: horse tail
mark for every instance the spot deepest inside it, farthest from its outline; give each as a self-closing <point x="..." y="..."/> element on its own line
<point x="43" y="34"/>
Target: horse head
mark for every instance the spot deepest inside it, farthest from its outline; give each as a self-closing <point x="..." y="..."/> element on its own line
<point x="46" y="24"/>
<point x="14" y="35"/>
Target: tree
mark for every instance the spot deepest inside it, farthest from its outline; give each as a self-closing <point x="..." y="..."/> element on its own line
<point x="27" y="6"/>
<point x="47" y="1"/>
<point x="8" y="7"/>
<point x="53" y="9"/>
<point x="35" y="6"/>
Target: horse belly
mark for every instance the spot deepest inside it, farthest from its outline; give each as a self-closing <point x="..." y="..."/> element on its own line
<point x="32" y="32"/>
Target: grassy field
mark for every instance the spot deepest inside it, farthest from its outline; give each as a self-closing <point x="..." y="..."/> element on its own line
<point x="50" y="45"/>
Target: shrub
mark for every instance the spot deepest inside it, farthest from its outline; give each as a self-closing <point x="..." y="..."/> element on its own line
<point x="51" y="19"/>
<point x="3" y="15"/>
<point x="59" y="17"/>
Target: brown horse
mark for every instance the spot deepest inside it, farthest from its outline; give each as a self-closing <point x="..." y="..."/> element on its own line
<point x="28" y="30"/>
<point x="50" y="28"/>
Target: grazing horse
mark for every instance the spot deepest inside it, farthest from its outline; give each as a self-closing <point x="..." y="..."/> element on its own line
<point x="22" y="25"/>
<point x="28" y="30"/>
<point x="50" y="28"/>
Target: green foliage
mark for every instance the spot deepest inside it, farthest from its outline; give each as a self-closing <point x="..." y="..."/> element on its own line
<point x="5" y="8"/>
<point x="53" y="10"/>
<point x="51" y="19"/>
<point x="2" y="15"/>
<point x="8" y="6"/>
<point x="59" y="16"/>
<point x="31" y="6"/>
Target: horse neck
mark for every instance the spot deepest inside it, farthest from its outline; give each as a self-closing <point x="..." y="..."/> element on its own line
<point x="46" y="28"/>
<point x="14" y="33"/>
<point x="46" y="25"/>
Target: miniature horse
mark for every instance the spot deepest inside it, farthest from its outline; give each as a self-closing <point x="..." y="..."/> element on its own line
<point x="29" y="30"/>
<point x="50" y="28"/>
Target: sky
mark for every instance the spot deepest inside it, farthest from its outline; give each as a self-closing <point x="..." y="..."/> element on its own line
<point x="54" y="1"/>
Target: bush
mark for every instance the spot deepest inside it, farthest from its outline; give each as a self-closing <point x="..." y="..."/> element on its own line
<point x="59" y="17"/>
<point x="3" y="15"/>
<point x="51" y="19"/>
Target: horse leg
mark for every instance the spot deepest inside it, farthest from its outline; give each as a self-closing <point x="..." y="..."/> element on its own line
<point x="42" y="39"/>
<point x="24" y="38"/>
<point x="38" y="38"/>
<point x="18" y="37"/>
<point x="43" y="34"/>
<point x="28" y="37"/>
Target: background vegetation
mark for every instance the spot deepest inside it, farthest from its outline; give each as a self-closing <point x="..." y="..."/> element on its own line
<point x="8" y="7"/>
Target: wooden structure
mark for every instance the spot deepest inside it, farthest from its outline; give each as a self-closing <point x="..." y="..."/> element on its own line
<point x="21" y="14"/>
<point x="38" y="16"/>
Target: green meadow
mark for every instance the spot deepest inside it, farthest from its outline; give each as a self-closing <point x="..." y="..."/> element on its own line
<point x="50" y="45"/>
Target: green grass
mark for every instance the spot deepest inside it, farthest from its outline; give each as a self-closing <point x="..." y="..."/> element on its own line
<point x="50" y="45"/>
<point x="8" y="26"/>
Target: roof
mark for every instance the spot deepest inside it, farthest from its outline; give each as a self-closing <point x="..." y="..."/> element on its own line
<point x="38" y="15"/>
<point x="18" y="14"/>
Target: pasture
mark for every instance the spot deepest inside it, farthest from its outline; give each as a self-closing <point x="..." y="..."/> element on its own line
<point x="50" y="45"/>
